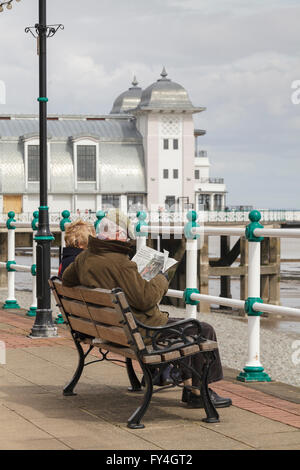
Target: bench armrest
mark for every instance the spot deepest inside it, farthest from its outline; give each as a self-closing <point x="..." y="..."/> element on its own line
<point x="169" y="337"/>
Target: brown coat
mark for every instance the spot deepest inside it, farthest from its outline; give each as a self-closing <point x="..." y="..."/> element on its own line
<point x="106" y="264"/>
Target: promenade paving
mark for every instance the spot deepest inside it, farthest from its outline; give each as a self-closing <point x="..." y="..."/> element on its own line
<point x="35" y="415"/>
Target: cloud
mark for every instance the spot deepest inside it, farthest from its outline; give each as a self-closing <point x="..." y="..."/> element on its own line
<point x="237" y="58"/>
<point x="236" y="7"/>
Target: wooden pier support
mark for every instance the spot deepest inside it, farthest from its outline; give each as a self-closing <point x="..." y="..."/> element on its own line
<point x="203" y="273"/>
<point x="270" y="270"/>
<point x="225" y="280"/>
<point x="244" y="277"/>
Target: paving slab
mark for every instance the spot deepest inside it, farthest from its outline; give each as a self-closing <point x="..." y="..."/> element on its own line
<point x="192" y="437"/>
<point x="35" y="415"/>
<point x="33" y="444"/>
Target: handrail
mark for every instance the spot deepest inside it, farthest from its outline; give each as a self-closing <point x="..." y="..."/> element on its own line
<point x="257" y="306"/>
<point x="253" y="305"/>
<point x="191" y="230"/>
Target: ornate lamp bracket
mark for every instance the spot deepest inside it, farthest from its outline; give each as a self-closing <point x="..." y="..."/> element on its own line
<point x="50" y="30"/>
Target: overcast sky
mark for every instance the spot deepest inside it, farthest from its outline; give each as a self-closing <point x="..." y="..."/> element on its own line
<point x="235" y="57"/>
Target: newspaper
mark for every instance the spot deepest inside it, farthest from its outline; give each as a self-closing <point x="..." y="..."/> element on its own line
<point x="150" y="262"/>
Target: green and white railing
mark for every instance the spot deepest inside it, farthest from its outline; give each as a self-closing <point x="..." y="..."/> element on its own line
<point x="253" y="305"/>
<point x="12" y="267"/>
<point x="230" y="216"/>
<point x="192" y="231"/>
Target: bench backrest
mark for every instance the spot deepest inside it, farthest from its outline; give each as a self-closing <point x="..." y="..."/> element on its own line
<point x="98" y="313"/>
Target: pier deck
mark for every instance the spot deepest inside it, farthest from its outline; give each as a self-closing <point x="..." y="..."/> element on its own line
<point x="35" y="415"/>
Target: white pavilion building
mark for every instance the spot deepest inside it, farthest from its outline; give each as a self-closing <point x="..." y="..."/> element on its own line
<point x="144" y="153"/>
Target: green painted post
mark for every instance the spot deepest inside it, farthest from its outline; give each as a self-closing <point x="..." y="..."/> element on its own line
<point x="141" y="237"/>
<point x="100" y="215"/>
<point x="253" y="371"/>
<point x="192" y="217"/>
<point x="11" y="302"/>
<point x="141" y="216"/>
<point x="65" y="220"/>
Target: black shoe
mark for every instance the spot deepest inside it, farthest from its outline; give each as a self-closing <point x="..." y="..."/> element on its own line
<point x="219" y="402"/>
<point x="185" y="395"/>
<point x="196" y="401"/>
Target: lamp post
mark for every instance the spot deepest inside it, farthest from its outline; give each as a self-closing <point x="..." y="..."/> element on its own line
<point x="43" y="326"/>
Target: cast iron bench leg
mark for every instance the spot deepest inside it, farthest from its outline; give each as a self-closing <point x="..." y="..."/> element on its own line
<point x="212" y="415"/>
<point x="68" y="390"/>
<point x="134" y="421"/>
<point x="134" y="381"/>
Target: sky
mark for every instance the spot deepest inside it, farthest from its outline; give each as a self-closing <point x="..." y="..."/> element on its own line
<point x="237" y="58"/>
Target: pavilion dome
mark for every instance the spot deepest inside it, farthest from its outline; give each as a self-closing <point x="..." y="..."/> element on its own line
<point x="164" y="94"/>
<point x="128" y="100"/>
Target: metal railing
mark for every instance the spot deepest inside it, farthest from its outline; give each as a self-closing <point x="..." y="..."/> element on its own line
<point x="232" y="215"/>
<point x="192" y="231"/>
<point x="253" y="305"/>
<point x="211" y="180"/>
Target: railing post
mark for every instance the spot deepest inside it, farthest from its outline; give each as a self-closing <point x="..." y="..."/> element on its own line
<point x="253" y="370"/>
<point x="11" y="302"/>
<point x="34" y="224"/>
<point x="191" y="264"/>
<point x="65" y="220"/>
<point x="141" y="237"/>
<point x="100" y="214"/>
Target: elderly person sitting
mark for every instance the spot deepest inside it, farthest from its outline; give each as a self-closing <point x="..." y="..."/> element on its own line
<point x="106" y="264"/>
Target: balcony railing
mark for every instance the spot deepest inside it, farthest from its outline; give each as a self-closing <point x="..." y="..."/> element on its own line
<point x="211" y="180"/>
<point x="201" y="153"/>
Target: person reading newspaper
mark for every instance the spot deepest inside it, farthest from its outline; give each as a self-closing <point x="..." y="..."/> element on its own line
<point x="151" y="262"/>
<point x="106" y="263"/>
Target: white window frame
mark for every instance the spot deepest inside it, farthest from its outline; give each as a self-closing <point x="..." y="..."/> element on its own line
<point x="85" y="141"/>
<point x="35" y="141"/>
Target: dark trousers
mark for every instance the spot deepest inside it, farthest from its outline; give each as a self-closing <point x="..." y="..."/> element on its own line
<point x="197" y="361"/>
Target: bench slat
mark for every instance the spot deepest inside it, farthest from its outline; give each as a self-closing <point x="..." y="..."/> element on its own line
<point x="155" y="359"/>
<point x="187" y="350"/>
<point x="97" y="296"/>
<point x="122" y="350"/>
<point x="208" y="345"/>
<point x="83" y="326"/>
<point x="75" y="307"/>
<point x="113" y="334"/>
<point x="170" y="355"/>
<point x="72" y="292"/>
<point x="105" y="315"/>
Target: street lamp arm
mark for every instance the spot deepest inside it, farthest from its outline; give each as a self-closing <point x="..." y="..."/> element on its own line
<point x="8" y="4"/>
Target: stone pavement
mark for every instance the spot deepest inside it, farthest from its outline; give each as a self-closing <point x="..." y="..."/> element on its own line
<point x="35" y="415"/>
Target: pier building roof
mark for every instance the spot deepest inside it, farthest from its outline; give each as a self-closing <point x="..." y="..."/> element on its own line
<point x="166" y="95"/>
<point x="120" y="152"/>
<point x="128" y="100"/>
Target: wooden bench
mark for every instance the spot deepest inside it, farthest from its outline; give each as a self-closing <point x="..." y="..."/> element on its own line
<point x="103" y="319"/>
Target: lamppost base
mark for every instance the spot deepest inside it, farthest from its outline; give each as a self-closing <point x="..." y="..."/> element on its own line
<point x="43" y="332"/>
<point x="253" y="374"/>
<point x="43" y="326"/>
